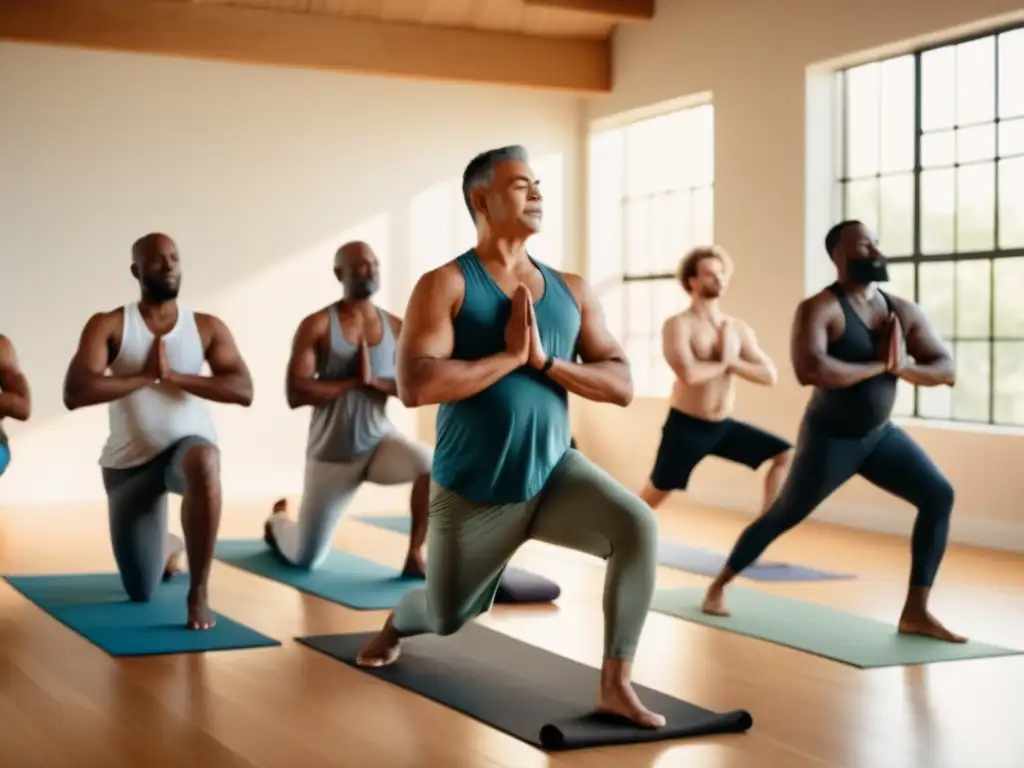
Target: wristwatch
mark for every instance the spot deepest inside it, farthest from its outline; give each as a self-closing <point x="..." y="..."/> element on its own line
<point x="547" y="364"/>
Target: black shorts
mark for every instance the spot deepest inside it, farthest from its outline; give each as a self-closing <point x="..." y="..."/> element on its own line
<point x="687" y="440"/>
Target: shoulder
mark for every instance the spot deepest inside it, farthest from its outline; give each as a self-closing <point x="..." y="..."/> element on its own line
<point x="210" y="326"/>
<point x="446" y="280"/>
<point x="905" y="309"/>
<point x="818" y="306"/>
<point x="316" y="322"/>
<point x="394" y="321"/>
<point x="6" y="347"/>
<point x="675" y="324"/>
<point x="577" y="286"/>
<point x="105" y="321"/>
<point x="742" y="327"/>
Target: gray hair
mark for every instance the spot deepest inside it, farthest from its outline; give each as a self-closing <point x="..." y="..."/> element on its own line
<point x="480" y="171"/>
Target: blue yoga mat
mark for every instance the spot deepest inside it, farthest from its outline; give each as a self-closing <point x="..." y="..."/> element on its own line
<point x="95" y="606"/>
<point x="707" y="563"/>
<point x="343" y="578"/>
<point x="396" y="523"/>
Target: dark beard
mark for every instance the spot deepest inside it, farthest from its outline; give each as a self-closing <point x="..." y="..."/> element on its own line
<point x="158" y="291"/>
<point x="363" y="289"/>
<point x="867" y="271"/>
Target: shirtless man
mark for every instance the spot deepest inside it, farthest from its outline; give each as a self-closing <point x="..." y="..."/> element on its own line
<point x="145" y="360"/>
<point x="706" y="350"/>
<point x="15" y="398"/>
<point x="493" y="337"/>
<point x="851" y="343"/>
<point x="343" y="367"/>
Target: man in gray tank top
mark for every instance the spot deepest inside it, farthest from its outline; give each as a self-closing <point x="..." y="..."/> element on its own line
<point x="343" y="366"/>
<point x="15" y="399"/>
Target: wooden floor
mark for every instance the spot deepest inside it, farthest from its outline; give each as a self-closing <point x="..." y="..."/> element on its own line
<point x="66" y="704"/>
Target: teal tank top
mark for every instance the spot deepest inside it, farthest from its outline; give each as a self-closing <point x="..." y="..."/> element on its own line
<point x="501" y="445"/>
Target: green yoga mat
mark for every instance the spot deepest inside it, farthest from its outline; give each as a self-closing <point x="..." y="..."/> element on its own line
<point x="95" y="606"/>
<point x="844" y="637"/>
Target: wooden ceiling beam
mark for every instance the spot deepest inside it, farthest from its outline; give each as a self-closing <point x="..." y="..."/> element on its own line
<point x="614" y="10"/>
<point x="314" y="41"/>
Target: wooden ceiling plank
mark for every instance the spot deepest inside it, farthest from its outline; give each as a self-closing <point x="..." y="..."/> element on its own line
<point x="617" y="10"/>
<point x="259" y="36"/>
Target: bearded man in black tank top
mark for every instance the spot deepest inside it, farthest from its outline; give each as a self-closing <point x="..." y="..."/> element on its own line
<point x="853" y="342"/>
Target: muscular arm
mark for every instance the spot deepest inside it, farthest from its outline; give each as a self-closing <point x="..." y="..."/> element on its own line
<point x="86" y="381"/>
<point x="675" y="344"/>
<point x="753" y="364"/>
<point x="425" y="372"/>
<point x="389" y="386"/>
<point x="933" y="365"/>
<point x="15" y="397"/>
<point x="302" y="386"/>
<point x="229" y="380"/>
<point x="812" y="364"/>
<point x="603" y="375"/>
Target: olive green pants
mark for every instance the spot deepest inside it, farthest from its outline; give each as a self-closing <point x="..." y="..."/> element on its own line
<point x="582" y="507"/>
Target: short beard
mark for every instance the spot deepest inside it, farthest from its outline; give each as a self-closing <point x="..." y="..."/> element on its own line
<point x="160" y="291"/>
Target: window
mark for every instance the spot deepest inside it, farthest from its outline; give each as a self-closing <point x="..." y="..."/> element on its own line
<point x="650" y="200"/>
<point x="933" y="160"/>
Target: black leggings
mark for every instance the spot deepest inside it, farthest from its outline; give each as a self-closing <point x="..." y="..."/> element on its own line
<point x="887" y="457"/>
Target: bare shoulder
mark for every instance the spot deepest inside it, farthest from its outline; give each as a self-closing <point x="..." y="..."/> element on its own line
<point x="6" y="347"/>
<point x="209" y="323"/>
<point x="675" y="324"/>
<point x="819" y="306"/>
<point x="905" y="309"/>
<point x="105" y="323"/>
<point x="443" y="285"/>
<point x="578" y="287"/>
<point x="316" y="323"/>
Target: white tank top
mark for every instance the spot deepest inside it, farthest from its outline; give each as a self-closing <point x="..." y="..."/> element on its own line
<point x="153" y="418"/>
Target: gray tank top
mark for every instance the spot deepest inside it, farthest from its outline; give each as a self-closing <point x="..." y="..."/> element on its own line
<point x="354" y="424"/>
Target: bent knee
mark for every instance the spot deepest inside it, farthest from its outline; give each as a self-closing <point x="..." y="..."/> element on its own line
<point x="784" y="459"/>
<point x="941" y="497"/>
<point x="639" y="528"/>
<point x="449" y="623"/>
<point x="201" y="465"/>
<point x="139" y="593"/>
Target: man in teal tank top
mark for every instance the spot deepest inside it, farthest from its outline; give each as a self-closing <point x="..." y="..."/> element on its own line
<point x="493" y="337"/>
<point x="15" y="399"/>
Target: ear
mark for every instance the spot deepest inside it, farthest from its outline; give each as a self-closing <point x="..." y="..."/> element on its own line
<point x="478" y="201"/>
<point x="339" y="274"/>
<point x="135" y="270"/>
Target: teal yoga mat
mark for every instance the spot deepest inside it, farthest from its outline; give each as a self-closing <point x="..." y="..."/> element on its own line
<point x="95" y="606"/>
<point x="843" y="637"/>
<point x="343" y="578"/>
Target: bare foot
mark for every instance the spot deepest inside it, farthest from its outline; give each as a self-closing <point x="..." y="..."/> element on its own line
<point x="199" y="614"/>
<point x="620" y="699"/>
<point x="175" y="552"/>
<point x="927" y="625"/>
<point x="415" y="567"/>
<point x="382" y="650"/>
<point x="714" y="602"/>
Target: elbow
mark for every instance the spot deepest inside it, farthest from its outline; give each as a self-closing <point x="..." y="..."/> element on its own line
<point x="72" y="399"/>
<point x="805" y="374"/>
<point x="771" y="376"/>
<point x="409" y="393"/>
<point x="950" y="377"/>
<point x="622" y="395"/>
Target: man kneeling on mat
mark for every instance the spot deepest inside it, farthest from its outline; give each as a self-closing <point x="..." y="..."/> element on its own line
<point x="707" y="350"/>
<point x="15" y="398"/>
<point x="849" y="344"/>
<point x="493" y="337"/>
<point x="343" y="365"/>
<point x="146" y="360"/>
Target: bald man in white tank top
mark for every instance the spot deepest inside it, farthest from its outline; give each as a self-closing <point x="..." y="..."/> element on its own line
<point x="343" y="367"/>
<point x="146" y="360"/>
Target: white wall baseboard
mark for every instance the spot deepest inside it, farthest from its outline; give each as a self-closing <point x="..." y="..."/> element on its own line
<point x="965" y="529"/>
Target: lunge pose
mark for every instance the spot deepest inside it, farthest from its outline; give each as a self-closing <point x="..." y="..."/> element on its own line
<point x="707" y="350"/>
<point x="494" y="336"/>
<point x="15" y="397"/>
<point x="852" y="342"/>
<point x="343" y="366"/>
<point x="146" y="361"/>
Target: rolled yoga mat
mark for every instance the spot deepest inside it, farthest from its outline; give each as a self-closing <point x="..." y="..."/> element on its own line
<point x="707" y="563"/>
<point x="844" y="637"/>
<point x="539" y="697"/>
<point x="517" y="586"/>
<point x="95" y="606"/>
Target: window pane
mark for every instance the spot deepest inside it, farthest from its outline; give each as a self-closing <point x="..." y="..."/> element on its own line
<point x="897" y="129"/>
<point x="1009" y="383"/>
<point x="613" y="303"/>
<point x="1009" y="308"/>
<point x="976" y="143"/>
<point x="896" y="225"/>
<point x="976" y="207"/>
<point x="698" y="147"/>
<point x="862" y="119"/>
<point x="938" y="149"/>
<point x="669" y="299"/>
<point x="703" y="216"/>
<point x="901" y="280"/>
<point x="605" y="191"/>
<point x="973" y="298"/>
<point x="1011" y="203"/>
<point x="936" y="286"/>
<point x="1011" y="137"/>
<point x="938" y="68"/>
<point x="1011" y="73"/>
<point x="638" y="350"/>
<point x="638" y="241"/>
<point x="862" y="201"/>
<point x="976" y="81"/>
<point x="679" y="234"/>
<point x="935" y="402"/>
<point x="937" y="205"/>
<point x="904" y="405"/>
<point x="970" y="395"/>
<point x="638" y="309"/>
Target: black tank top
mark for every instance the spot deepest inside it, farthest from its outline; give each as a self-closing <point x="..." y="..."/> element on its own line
<point x="859" y="409"/>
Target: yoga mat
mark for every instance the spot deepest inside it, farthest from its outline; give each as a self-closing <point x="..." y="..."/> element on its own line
<point x="95" y="606"/>
<point x="342" y="578"/>
<point x="707" y="563"/>
<point x="843" y="637"/>
<point x="539" y="697"/>
<point x="517" y="586"/>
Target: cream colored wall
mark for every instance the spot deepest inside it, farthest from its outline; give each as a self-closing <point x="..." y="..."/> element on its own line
<point x="259" y="174"/>
<point x="770" y="213"/>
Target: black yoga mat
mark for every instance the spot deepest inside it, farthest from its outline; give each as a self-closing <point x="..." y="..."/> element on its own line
<point x="539" y="697"/>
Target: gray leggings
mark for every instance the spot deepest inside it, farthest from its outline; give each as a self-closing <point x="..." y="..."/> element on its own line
<point x="582" y="508"/>
<point x="137" y="511"/>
